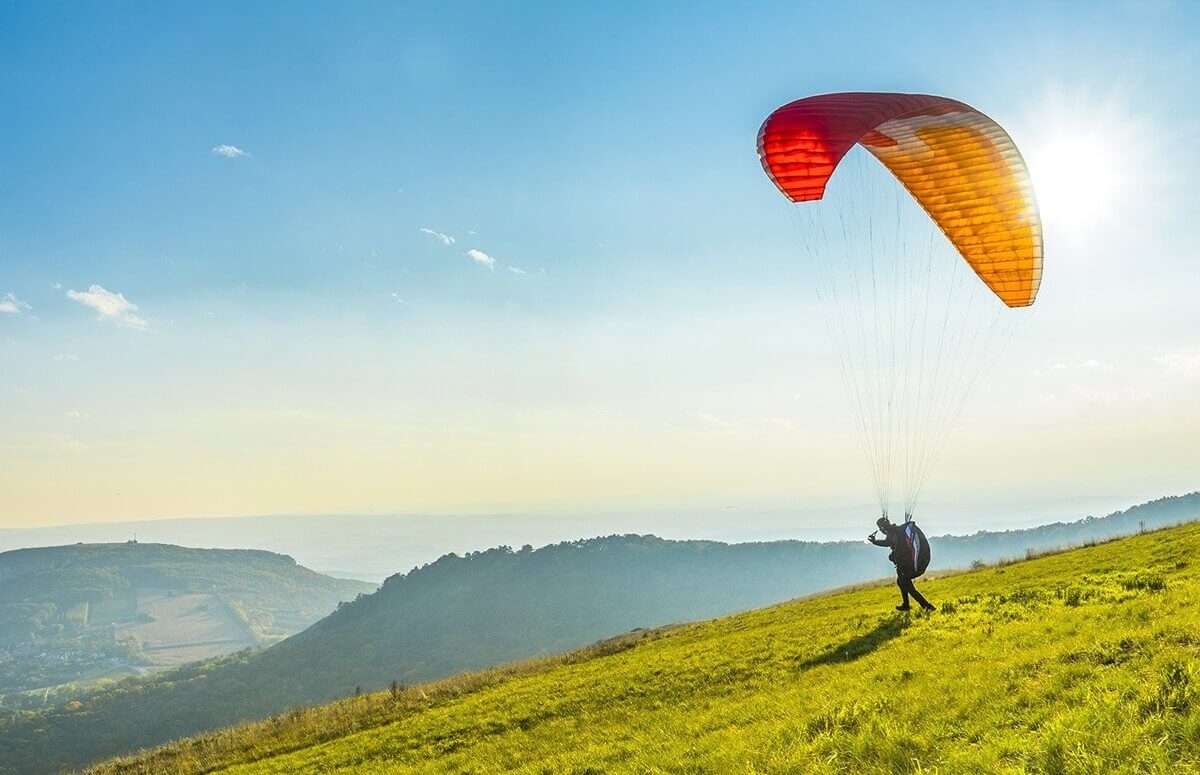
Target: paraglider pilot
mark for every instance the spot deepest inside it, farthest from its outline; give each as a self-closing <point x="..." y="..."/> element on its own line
<point x="906" y="569"/>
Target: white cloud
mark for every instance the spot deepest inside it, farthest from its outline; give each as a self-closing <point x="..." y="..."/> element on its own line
<point x="712" y="422"/>
<point x="56" y="286"/>
<point x="111" y="306"/>
<point x="1185" y="363"/>
<point x="481" y="258"/>
<point x="1089" y="365"/>
<point x="78" y="415"/>
<point x="398" y="297"/>
<point x="445" y="239"/>
<point x="107" y="303"/>
<point x="516" y="270"/>
<point x="12" y="305"/>
<point x="1120" y="395"/>
<point x="229" y="151"/>
<point x="133" y="321"/>
<point x="783" y="424"/>
<point x="65" y="357"/>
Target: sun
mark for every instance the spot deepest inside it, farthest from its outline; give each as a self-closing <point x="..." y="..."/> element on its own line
<point x="1088" y="154"/>
<point x="1076" y="178"/>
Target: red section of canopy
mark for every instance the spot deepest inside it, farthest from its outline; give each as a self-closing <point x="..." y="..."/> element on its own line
<point x="802" y="143"/>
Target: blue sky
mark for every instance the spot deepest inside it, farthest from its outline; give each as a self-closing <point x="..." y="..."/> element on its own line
<point x="306" y="341"/>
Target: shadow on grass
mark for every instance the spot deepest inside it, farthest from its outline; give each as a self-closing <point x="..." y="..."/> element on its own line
<point x="861" y="645"/>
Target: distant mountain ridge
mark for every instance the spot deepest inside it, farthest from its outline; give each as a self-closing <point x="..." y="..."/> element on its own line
<point x="371" y="547"/>
<point x="19" y="562"/>
<point x="960" y="551"/>
<point x="467" y="612"/>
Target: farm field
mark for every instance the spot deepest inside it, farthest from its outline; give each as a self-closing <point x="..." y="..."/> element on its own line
<point x="175" y="628"/>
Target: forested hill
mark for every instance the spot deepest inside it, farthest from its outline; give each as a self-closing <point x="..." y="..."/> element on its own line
<point x="282" y="595"/>
<point x="467" y="612"/>
<point x="71" y="616"/>
<point x="464" y="613"/>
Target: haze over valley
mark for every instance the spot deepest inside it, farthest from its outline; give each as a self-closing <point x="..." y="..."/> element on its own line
<point x="374" y="547"/>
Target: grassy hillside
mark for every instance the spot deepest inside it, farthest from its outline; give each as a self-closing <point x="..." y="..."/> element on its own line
<point x="84" y="612"/>
<point x="487" y="608"/>
<point x="1081" y="662"/>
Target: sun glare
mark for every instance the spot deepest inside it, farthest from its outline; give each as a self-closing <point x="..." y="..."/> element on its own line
<point x="1076" y="179"/>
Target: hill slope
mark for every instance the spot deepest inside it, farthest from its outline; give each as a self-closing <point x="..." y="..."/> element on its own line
<point x="1086" y="661"/>
<point x="91" y="611"/>
<point x="487" y="608"/>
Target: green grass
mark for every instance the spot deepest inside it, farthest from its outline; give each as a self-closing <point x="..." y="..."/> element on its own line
<point x="1082" y="662"/>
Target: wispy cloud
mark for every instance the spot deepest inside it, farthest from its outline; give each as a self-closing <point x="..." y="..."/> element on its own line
<point x="783" y="423"/>
<point x="110" y="306"/>
<point x="712" y="422"/>
<point x="11" y="305"/>
<point x="230" y="151"/>
<point x="1090" y="365"/>
<point x="445" y="239"/>
<point x="516" y="270"/>
<point x="78" y="415"/>
<point x="65" y="357"/>
<point x="398" y="297"/>
<point x="1120" y="395"/>
<point x="481" y="258"/>
<point x="74" y="446"/>
<point x="1185" y="363"/>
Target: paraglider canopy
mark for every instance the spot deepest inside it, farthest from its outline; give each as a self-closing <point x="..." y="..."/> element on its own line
<point x="898" y="252"/>
<point x="959" y="164"/>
